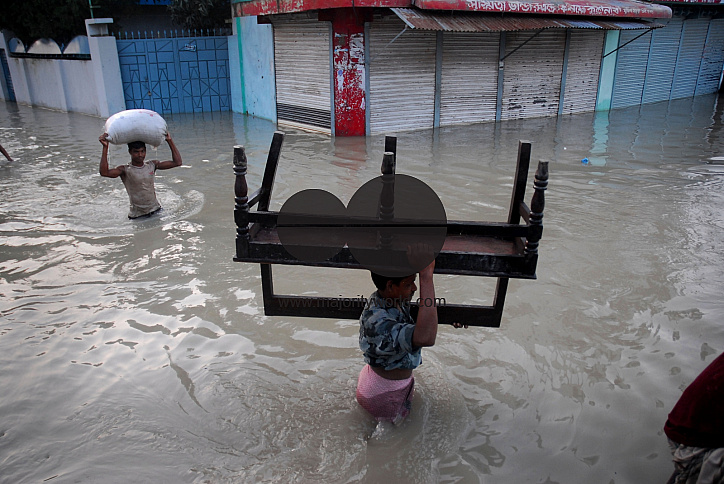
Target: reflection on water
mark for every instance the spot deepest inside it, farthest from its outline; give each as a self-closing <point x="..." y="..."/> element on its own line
<point x="140" y="350"/>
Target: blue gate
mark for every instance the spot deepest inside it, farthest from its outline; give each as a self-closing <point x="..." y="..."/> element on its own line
<point x="6" y="72"/>
<point x="176" y="75"/>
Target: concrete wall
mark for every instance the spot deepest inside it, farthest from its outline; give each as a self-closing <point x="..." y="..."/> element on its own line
<point x="251" y="58"/>
<point x="44" y="82"/>
<point x="608" y="69"/>
<point x="66" y="85"/>
<point x="85" y="86"/>
<point x="16" y="74"/>
<point x="106" y="68"/>
<point x="235" y="82"/>
<point x="80" y="97"/>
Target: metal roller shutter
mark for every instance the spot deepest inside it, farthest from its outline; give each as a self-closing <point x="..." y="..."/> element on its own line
<point x="402" y="77"/>
<point x="584" y="63"/>
<point x="688" y="62"/>
<point x="662" y="62"/>
<point x="628" y="82"/>
<point x="712" y="60"/>
<point x="302" y="68"/>
<point x="469" y="80"/>
<point x="532" y="75"/>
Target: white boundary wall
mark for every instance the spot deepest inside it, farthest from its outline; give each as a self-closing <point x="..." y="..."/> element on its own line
<point x="85" y="86"/>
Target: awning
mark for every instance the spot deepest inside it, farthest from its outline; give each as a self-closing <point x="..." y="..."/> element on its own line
<point x="481" y="22"/>
<point x="605" y="9"/>
<point x="586" y="8"/>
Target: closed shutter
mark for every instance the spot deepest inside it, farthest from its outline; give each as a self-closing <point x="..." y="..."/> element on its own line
<point x="302" y="68"/>
<point x="712" y="60"/>
<point x="628" y="83"/>
<point x="584" y="64"/>
<point x="469" y="80"/>
<point x="402" y="77"/>
<point x="532" y="76"/>
<point x="693" y="38"/>
<point x="662" y="62"/>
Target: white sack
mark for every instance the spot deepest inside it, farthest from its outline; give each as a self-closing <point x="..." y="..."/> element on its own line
<point x="136" y="125"/>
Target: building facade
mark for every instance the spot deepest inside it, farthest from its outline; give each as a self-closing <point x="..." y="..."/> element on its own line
<point x="360" y="67"/>
<point x="383" y="66"/>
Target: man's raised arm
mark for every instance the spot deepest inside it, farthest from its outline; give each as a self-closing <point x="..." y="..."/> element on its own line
<point x="103" y="168"/>
<point x="175" y="156"/>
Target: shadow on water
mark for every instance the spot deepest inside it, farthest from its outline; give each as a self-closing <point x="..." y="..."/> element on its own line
<point x="138" y="348"/>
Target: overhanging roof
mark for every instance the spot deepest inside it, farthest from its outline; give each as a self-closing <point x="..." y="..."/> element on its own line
<point x="604" y="9"/>
<point x="587" y="8"/>
<point x="481" y="22"/>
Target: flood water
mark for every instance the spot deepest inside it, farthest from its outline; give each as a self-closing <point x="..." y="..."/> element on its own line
<point x="138" y="351"/>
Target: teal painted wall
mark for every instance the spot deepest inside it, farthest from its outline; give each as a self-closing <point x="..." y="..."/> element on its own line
<point x="608" y="69"/>
<point x="237" y="101"/>
<point x="253" y="85"/>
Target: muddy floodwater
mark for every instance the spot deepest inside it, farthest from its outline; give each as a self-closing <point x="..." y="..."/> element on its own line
<point x="138" y="351"/>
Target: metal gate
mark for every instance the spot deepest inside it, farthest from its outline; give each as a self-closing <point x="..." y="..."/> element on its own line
<point x="582" y="71"/>
<point x="6" y="72"/>
<point x="176" y="75"/>
<point x="533" y="71"/>
<point x="469" y="78"/>
<point x="302" y="67"/>
<point x="402" y="77"/>
<point x="688" y="62"/>
<point x="661" y="67"/>
<point x="712" y="59"/>
<point x="633" y="56"/>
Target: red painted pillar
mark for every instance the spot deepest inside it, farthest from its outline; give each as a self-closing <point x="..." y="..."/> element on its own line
<point x="349" y="71"/>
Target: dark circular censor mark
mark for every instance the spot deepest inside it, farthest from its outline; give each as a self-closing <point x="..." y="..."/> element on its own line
<point x="403" y="213"/>
<point x="311" y="225"/>
<point x="395" y="225"/>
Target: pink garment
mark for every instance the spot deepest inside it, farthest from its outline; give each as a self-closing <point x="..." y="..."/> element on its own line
<point x="385" y="399"/>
